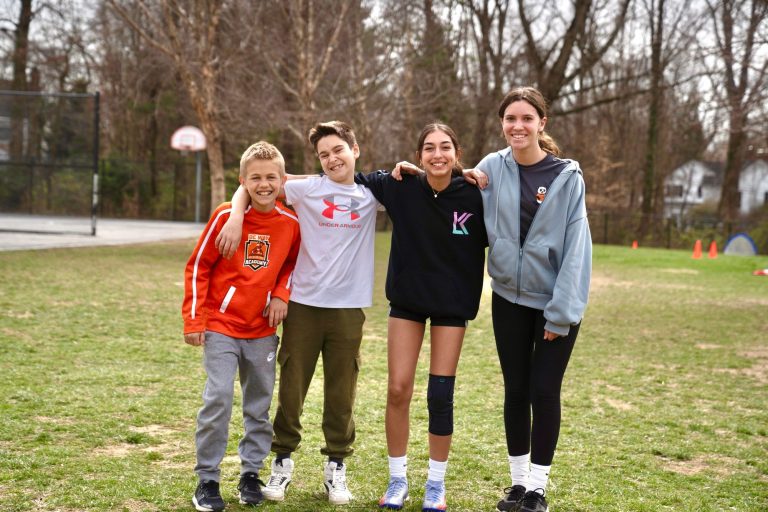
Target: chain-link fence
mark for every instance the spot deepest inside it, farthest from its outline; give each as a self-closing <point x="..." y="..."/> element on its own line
<point x="49" y="147"/>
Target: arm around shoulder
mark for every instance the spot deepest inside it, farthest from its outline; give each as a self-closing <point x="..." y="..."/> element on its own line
<point x="231" y="233"/>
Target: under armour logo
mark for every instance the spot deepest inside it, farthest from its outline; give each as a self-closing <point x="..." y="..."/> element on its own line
<point x="333" y="207"/>
<point x="458" y="223"/>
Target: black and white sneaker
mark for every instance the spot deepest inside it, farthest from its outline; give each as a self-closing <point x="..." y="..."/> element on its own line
<point x="513" y="499"/>
<point x="534" y="501"/>
<point x="279" y="479"/>
<point x="250" y="489"/>
<point x="207" y="497"/>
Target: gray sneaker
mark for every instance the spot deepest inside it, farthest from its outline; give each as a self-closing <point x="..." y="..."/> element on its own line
<point x="396" y="495"/>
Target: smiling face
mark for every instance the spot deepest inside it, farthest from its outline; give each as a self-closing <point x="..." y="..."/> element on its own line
<point x="521" y="125"/>
<point x="337" y="158"/>
<point x="438" y="154"/>
<point x="263" y="179"/>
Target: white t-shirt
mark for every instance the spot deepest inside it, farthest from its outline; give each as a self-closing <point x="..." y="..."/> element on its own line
<point x="335" y="264"/>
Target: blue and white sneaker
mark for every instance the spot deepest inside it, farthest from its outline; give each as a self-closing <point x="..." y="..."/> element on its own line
<point x="434" y="497"/>
<point x="396" y="495"/>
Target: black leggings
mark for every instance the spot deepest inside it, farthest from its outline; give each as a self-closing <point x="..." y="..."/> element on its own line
<point x="533" y="371"/>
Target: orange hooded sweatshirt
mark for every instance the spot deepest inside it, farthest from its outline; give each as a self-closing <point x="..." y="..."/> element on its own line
<point x="229" y="296"/>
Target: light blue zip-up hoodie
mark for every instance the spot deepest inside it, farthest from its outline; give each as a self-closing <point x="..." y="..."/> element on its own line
<point x="552" y="269"/>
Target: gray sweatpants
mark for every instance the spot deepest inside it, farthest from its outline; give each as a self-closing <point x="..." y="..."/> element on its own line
<point x="222" y="357"/>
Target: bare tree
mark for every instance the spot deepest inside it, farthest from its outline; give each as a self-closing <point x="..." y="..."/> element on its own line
<point x="569" y="55"/>
<point x="488" y="22"/>
<point x="741" y="45"/>
<point x="300" y="45"/>
<point x="188" y="32"/>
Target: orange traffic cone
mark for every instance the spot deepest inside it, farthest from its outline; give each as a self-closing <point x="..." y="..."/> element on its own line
<point x="634" y="244"/>
<point x="697" y="250"/>
<point x="713" y="250"/>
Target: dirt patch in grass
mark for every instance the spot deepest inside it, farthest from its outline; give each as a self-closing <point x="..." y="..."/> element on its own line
<point x="719" y="464"/>
<point x="154" y="430"/>
<point x="19" y="314"/>
<point x="134" y="390"/>
<point x="758" y="356"/>
<point x="117" y="451"/>
<point x="600" y="282"/>
<point x="55" y="421"/>
<point x="619" y="404"/>
<point x="138" y="506"/>
<point x="688" y="271"/>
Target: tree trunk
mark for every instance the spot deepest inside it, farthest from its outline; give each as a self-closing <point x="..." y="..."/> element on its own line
<point x="657" y="71"/>
<point x="19" y="83"/>
<point x="728" y="208"/>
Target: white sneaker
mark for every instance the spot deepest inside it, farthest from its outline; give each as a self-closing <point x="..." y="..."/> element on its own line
<point x="278" y="480"/>
<point x="336" y="483"/>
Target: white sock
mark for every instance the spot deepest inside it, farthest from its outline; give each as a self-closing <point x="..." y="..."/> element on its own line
<point x="436" y="471"/>
<point x="398" y="466"/>
<point x="538" y="478"/>
<point x="519" y="470"/>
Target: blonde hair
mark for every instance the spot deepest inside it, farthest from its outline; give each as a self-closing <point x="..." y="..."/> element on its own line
<point x="533" y="97"/>
<point x="265" y="151"/>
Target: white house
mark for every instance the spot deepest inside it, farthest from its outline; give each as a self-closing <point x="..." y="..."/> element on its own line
<point x="753" y="186"/>
<point x="697" y="182"/>
<point x="693" y="183"/>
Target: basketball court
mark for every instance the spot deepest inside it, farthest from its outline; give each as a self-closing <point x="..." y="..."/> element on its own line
<point x="58" y="232"/>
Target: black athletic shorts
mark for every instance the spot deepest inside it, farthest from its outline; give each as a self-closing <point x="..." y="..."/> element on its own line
<point x="397" y="312"/>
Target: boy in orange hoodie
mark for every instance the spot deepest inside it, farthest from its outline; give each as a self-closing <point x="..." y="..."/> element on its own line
<point x="232" y="307"/>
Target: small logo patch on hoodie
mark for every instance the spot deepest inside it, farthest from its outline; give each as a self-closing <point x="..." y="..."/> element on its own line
<point x="458" y="223"/>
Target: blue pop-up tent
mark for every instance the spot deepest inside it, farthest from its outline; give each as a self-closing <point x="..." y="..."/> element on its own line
<point x="740" y="244"/>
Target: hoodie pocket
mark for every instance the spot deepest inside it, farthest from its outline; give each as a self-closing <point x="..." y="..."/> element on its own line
<point x="538" y="274"/>
<point x="243" y="305"/>
<point x="502" y="261"/>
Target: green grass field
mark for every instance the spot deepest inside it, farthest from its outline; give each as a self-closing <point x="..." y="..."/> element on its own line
<point x="664" y="402"/>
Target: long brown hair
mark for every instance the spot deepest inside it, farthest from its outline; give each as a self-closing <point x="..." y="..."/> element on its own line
<point x="533" y="97"/>
<point x="437" y="126"/>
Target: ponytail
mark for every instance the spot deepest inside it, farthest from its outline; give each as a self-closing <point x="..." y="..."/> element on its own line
<point x="548" y="144"/>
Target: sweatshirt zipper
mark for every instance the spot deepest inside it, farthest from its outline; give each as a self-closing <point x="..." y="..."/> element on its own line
<point x="530" y="228"/>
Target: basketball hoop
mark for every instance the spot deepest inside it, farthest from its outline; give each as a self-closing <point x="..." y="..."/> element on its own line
<point x="188" y="138"/>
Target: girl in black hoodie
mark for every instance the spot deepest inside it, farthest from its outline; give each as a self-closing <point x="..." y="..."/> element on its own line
<point x="435" y="271"/>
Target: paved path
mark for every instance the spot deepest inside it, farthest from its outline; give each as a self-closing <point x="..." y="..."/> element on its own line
<point x="108" y="232"/>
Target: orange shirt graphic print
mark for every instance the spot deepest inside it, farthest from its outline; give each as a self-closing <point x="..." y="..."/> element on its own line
<point x="257" y="251"/>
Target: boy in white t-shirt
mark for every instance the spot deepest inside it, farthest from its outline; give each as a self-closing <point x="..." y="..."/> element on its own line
<point x="332" y="282"/>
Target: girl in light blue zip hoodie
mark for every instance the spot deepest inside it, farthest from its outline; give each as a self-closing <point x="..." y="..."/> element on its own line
<point x="540" y="262"/>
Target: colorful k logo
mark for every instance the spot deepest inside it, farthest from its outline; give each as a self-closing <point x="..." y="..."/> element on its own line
<point x="458" y="223"/>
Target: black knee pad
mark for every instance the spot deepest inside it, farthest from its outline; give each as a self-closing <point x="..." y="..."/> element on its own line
<point x="440" y="404"/>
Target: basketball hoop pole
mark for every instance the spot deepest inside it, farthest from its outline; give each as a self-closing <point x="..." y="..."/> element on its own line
<point x="189" y="138"/>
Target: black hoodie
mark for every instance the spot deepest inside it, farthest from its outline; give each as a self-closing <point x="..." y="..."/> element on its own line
<point x="436" y="262"/>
